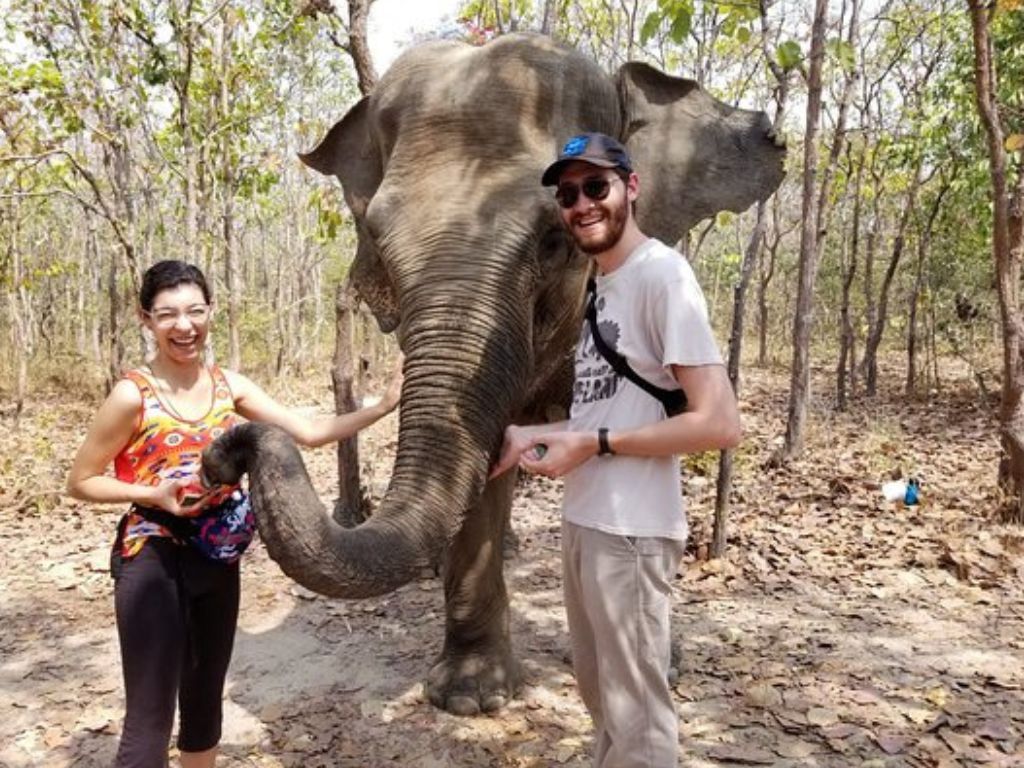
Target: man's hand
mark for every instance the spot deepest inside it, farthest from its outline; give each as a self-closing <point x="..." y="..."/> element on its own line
<point x="562" y="452"/>
<point x="516" y="440"/>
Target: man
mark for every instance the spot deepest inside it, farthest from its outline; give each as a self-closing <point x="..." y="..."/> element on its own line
<point x="624" y="524"/>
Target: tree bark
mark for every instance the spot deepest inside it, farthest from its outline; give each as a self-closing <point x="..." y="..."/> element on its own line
<point x="849" y="272"/>
<point x="1007" y="252"/>
<point x="547" y="16"/>
<point x="181" y="22"/>
<point x="20" y="323"/>
<point x="800" y="371"/>
<point x="358" y="44"/>
<point x="231" y="269"/>
<point x="766" y="271"/>
<point x="725" y="462"/>
<point x="924" y="241"/>
<point x="876" y="332"/>
<point x="351" y="506"/>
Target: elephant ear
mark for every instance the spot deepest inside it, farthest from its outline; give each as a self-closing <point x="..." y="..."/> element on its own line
<point x="695" y="156"/>
<point x="349" y="152"/>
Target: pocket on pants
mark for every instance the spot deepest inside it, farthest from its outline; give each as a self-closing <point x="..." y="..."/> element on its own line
<point x="647" y="546"/>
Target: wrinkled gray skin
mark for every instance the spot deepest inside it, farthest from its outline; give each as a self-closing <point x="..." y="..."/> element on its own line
<point x="461" y="253"/>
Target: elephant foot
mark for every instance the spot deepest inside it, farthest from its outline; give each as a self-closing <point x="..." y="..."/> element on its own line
<point x="474" y="682"/>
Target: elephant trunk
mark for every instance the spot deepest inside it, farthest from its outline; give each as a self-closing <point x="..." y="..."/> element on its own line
<point x="295" y="527"/>
<point x="462" y="382"/>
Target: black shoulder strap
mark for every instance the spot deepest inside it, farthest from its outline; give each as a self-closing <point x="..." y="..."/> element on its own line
<point x="674" y="400"/>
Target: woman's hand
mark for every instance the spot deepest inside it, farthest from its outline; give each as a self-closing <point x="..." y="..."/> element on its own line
<point x="171" y="496"/>
<point x="393" y="394"/>
<point x="165" y="496"/>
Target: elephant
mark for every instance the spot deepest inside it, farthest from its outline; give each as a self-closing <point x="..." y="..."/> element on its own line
<point x="461" y="253"/>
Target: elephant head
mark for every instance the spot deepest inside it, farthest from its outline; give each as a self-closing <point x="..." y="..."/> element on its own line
<point x="461" y="253"/>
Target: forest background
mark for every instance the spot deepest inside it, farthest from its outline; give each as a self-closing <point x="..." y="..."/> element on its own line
<point x="134" y="131"/>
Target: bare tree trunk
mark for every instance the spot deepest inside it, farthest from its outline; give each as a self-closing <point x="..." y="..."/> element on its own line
<point x="800" y="372"/>
<point x="766" y="271"/>
<point x="95" y="271"/>
<point x="547" y="16"/>
<point x="910" y="385"/>
<point x="923" y="248"/>
<point x="20" y="322"/>
<point x="281" y="313"/>
<point x="752" y="256"/>
<point x="184" y="29"/>
<point x="932" y="346"/>
<point x="849" y="271"/>
<point x="1007" y="252"/>
<point x="358" y="45"/>
<point x="81" y="323"/>
<point x="691" y="249"/>
<point x="115" y="348"/>
<point x="351" y="506"/>
<point x="876" y="332"/>
<point x="231" y="270"/>
<point x="870" y="251"/>
<point x="739" y="303"/>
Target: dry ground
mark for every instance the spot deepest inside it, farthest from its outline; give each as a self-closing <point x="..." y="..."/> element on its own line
<point x="841" y="630"/>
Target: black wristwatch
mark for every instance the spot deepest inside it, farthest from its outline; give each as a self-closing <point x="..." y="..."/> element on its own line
<point x="603" y="449"/>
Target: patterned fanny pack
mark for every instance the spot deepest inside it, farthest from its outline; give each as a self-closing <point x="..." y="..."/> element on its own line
<point x="220" y="533"/>
<point x="226" y="531"/>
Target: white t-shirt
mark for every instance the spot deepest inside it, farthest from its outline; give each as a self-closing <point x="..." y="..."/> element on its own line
<point x="652" y="311"/>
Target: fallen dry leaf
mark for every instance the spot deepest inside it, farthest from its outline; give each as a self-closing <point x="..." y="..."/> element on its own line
<point x="821" y="716"/>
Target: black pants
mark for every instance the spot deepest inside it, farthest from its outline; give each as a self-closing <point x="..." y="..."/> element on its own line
<point x="176" y="616"/>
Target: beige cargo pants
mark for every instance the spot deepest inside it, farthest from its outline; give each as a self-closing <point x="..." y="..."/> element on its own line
<point x="617" y="599"/>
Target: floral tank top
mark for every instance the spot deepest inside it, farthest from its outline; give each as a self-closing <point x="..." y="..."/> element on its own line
<point x="165" y="446"/>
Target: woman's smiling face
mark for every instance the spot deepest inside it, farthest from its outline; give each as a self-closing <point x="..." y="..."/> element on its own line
<point x="180" y="322"/>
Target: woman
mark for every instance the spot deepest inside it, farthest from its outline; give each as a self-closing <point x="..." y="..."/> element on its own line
<point x="176" y="554"/>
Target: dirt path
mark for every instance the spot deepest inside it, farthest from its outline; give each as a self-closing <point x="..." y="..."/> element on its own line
<point x="841" y="631"/>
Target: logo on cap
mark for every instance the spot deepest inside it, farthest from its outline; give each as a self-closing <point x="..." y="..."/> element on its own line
<point x="595" y="148"/>
<point x="575" y="146"/>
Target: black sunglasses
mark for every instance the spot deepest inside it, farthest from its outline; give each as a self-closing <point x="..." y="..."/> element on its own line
<point x="595" y="188"/>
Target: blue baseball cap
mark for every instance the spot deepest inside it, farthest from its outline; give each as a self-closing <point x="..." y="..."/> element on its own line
<point x="595" y="148"/>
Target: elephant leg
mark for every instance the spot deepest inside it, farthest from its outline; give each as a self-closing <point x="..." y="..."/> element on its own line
<point x="476" y="671"/>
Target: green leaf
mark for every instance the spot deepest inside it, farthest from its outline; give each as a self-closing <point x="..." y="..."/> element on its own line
<point x="680" y="26"/>
<point x="743" y="34"/>
<point x="789" y="55"/>
<point x="650" y="27"/>
<point x="843" y="53"/>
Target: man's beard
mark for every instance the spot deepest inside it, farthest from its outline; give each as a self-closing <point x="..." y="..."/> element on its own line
<point x="615" y="223"/>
